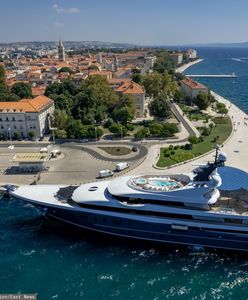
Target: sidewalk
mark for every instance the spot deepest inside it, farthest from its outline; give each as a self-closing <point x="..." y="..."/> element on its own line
<point x="186" y="66"/>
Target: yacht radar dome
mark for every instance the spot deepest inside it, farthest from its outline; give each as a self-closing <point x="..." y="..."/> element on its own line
<point x="222" y="157"/>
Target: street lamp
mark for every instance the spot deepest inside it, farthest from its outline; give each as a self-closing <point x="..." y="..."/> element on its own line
<point x="121" y="129"/>
<point x="53" y="129"/>
<point x="11" y="147"/>
<point x="96" y="134"/>
<point x="121" y="133"/>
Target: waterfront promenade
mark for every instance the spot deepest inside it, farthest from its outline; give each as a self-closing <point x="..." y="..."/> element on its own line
<point x="235" y="147"/>
<point x="184" y="67"/>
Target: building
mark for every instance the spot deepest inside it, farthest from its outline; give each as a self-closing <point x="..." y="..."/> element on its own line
<point x="191" y="54"/>
<point x="31" y="162"/>
<point x="99" y="57"/>
<point x="177" y="58"/>
<point x="128" y="87"/>
<point x="61" y="51"/>
<point x="26" y="115"/>
<point x="107" y="74"/>
<point x="192" y="88"/>
<point x="150" y="61"/>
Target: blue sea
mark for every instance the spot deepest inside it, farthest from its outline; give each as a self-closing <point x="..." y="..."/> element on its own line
<point x="58" y="262"/>
<point x="225" y="61"/>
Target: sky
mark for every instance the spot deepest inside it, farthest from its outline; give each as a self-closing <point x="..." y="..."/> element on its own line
<point x="140" y="22"/>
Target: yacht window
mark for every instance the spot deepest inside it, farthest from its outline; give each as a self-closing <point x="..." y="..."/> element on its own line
<point x="150" y="201"/>
<point x="117" y="222"/>
<point x="92" y="188"/>
<point x="138" y="212"/>
<point x="234" y="221"/>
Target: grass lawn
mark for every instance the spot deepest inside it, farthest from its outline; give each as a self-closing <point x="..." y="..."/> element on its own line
<point x="197" y="116"/>
<point x="222" y="129"/>
<point x="116" y="151"/>
<point x="192" y="114"/>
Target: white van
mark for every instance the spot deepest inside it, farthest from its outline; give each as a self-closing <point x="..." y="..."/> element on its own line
<point x="105" y="173"/>
<point x="55" y="152"/>
<point x="121" y="166"/>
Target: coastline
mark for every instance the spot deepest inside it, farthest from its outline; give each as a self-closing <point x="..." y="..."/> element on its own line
<point x="186" y="66"/>
<point x="231" y="145"/>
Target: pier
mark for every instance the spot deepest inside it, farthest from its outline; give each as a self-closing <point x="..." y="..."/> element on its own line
<point x="213" y="75"/>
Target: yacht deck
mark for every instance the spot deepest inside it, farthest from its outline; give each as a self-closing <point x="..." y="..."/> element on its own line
<point x="231" y="205"/>
<point x="156" y="183"/>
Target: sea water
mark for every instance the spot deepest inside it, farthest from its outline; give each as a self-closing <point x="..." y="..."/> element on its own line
<point x="57" y="262"/>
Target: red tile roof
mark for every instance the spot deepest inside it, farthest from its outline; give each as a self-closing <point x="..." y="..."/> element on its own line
<point x="26" y="105"/>
<point x="193" y="84"/>
<point x="130" y="88"/>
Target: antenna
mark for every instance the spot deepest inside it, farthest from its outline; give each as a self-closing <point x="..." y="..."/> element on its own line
<point x="217" y="148"/>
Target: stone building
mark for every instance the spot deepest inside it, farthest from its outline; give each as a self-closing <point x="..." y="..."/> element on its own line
<point x="26" y="115"/>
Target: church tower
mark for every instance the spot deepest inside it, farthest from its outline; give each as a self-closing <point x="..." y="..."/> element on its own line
<point x="61" y="51"/>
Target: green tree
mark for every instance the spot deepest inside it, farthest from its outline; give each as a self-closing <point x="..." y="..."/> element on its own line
<point x="152" y="84"/>
<point x="66" y="69"/>
<point x="22" y="90"/>
<point x="122" y="114"/>
<point x="94" y="101"/>
<point x="32" y="134"/>
<point x="74" y="129"/>
<point x="118" y="130"/>
<point x="13" y="97"/>
<point x="169" y="85"/>
<point x="93" y="67"/>
<point x="4" y="93"/>
<point x="60" y="119"/>
<point x="67" y="88"/>
<point x="124" y="110"/>
<point x="202" y="100"/>
<point x="142" y="133"/>
<point x="62" y="102"/>
<point x="60" y="134"/>
<point x="156" y="129"/>
<point x="94" y="132"/>
<point x="179" y="96"/>
<point x="3" y="136"/>
<point x="156" y="84"/>
<point x="164" y="63"/>
<point x="221" y="108"/>
<point x="138" y="78"/>
<point x="159" y="107"/>
<point x="17" y="135"/>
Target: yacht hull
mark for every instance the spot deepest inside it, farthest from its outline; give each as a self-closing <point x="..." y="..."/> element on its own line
<point x="153" y="232"/>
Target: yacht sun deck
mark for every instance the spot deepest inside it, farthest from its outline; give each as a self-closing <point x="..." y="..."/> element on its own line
<point x="156" y="183"/>
<point x="230" y="205"/>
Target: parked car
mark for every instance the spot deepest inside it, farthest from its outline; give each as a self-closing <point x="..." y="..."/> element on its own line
<point x="83" y="141"/>
<point x="121" y="166"/>
<point x="105" y="173"/>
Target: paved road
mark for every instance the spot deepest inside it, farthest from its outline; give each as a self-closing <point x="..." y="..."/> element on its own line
<point x="181" y="117"/>
<point x="142" y="151"/>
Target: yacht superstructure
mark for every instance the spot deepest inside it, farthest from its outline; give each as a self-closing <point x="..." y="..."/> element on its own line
<point x="183" y="208"/>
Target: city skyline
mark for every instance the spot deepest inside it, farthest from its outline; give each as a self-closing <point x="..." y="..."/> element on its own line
<point x="140" y="22"/>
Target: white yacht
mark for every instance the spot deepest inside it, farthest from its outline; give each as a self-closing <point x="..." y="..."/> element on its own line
<point x="187" y="209"/>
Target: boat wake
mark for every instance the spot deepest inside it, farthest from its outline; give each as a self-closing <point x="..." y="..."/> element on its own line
<point x="241" y="59"/>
